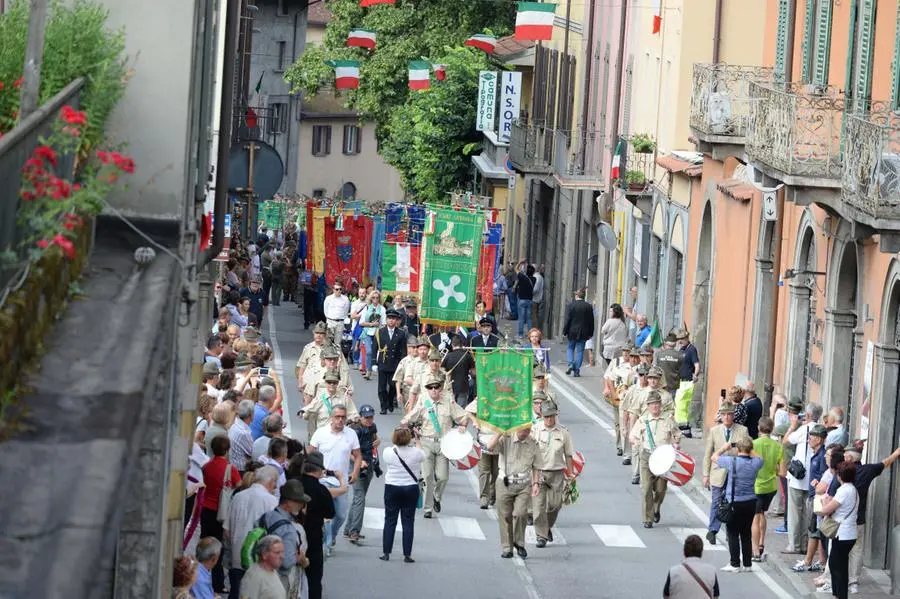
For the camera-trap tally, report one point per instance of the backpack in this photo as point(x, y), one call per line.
point(249, 555)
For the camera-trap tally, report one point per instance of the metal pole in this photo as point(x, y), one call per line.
point(34, 50)
point(251, 208)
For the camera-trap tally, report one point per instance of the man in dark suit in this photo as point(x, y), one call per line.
point(391, 346)
point(485, 339)
point(579, 328)
point(441, 339)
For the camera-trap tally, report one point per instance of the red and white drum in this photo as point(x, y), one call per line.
point(471, 460)
point(456, 445)
point(672, 464)
point(577, 465)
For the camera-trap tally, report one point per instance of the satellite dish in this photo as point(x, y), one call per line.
point(592, 263)
point(268, 168)
point(607, 236)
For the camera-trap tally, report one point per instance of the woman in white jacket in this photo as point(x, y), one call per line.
point(614, 333)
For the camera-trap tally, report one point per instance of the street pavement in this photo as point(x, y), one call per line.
point(600, 550)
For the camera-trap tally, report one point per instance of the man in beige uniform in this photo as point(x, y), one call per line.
point(632, 407)
point(432, 368)
point(435, 416)
point(654, 383)
point(618, 375)
point(518, 481)
point(556, 451)
point(400, 373)
point(318, 411)
point(488, 464)
point(311, 353)
point(541, 382)
point(420, 364)
point(315, 377)
point(652, 430)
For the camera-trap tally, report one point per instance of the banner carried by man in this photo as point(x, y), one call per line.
point(504, 389)
point(400, 268)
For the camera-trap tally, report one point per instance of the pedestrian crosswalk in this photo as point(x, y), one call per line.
point(620, 536)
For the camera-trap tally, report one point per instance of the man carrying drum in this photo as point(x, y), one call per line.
point(556, 451)
point(518, 481)
point(652, 430)
point(435, 416)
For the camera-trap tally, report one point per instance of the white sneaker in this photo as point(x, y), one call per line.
point(853, 589)
point(749, 569)
point(730, 568)
point(824, 588)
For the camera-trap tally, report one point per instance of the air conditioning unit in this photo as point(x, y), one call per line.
point(889, 175)
point(720, 112)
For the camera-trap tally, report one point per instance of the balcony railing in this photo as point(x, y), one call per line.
point(637, 169)
point(720, 98)
point(797, 131)
point(257, 123)
point(531, 147)
point(871, 176)
point(574, 149)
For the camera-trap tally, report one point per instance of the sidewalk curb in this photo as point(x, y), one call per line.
point(694, 489)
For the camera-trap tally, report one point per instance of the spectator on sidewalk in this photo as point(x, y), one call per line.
point(536, 346)
point(631, 313)
point(525, 293)
point(262, 578)
point(222, 418)
point(218, 473)
point(688, 409)
point(740, 492)
point(511, 297)
point(279, 522)
point(614, 333)
point(319, 509)
point(843, 507)
point(692, 578)
point(766, 486)
point(714, 476)
point(754, 408)
point(240, 437)
point(579, 327)
point(247, 508)
point(367, 433)
point(642, 336)
point(184, 575)
point(209, 550)
point(537, 300)
point(837, 431)
point(258, 299)
point(798, 488)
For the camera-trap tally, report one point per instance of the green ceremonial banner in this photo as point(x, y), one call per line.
point(271, 214)
point(450, 255)
point(504, 389)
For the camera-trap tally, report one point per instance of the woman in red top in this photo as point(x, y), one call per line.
point(214, 478)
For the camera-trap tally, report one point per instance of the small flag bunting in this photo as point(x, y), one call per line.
point(367, 3)
point(616, 171)
point(534, 21)
point(419, 75)
point(346, 73)
point(486, 43)
point(657, 15)
point(440, 71)
point(361, 38)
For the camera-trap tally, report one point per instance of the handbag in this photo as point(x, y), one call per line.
point(796, 468)
point(829, 525)
point(725, 509)
point(225, 496)
point(419, 481)
point(699, 580)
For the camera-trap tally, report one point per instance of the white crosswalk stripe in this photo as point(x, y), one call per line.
point(682, 533)
point(461, 528)
point(614, 535)
point(373, 518)
point(531, 537)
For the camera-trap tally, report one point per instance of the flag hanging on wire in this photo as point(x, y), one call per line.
point(346, 73)
point(367, 3)
point(657, 15)
point(254, 98)
point(440, 71)
point(419, 75)
point(486, 43)
point(534, 21)
point(361, 38)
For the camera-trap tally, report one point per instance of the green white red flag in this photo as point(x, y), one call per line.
point(657, 15)
point(616, 171)
point(400, 268)
point(361, 38)
point(440, 71)
point(534, 21)
point(419, 75)
point(367, 3)
point(346, 73)
point(486, 43)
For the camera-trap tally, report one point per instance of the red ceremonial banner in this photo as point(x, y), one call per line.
point(345, 251)
point(486, 274)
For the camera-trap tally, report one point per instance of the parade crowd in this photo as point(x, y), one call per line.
point(264, 511)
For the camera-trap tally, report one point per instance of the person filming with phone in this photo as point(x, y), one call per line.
point(714, 476)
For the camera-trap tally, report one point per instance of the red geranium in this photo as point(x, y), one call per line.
point(45, 153)
point(67, 247)
point(72, 116)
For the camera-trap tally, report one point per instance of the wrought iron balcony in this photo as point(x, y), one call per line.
point(531, 147)
point(572, 149)
point(257, 123)
point(871, 176)
point(638, 166)
point(720, 100)
point(797, 133)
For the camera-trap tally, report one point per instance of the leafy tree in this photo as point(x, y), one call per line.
point(428, 149)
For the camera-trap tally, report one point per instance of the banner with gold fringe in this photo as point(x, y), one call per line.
point(504, 389)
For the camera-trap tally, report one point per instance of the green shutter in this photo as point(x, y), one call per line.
point(863, 88)
point(851, 53)
point(895, 85)
point(784, 27)
point(810, 32)
point(823, 43)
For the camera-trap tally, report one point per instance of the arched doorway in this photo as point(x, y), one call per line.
point(674, 314)
point(702, 289)
point(801, 314)
point(348, 191)
point(841, 352)
point(658, 246)
point(760, 356)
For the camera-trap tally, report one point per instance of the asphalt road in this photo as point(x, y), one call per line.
point(601, 548)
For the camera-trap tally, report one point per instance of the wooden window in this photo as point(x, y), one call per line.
point(318, 193)
point(278, 121)
point(895, 70)
point(282, 9)
point(352, 135)
point(822, 54)
point(785, 23)
point(321, 142)
point(809, 29)
point(862, 87)
point(282, 50)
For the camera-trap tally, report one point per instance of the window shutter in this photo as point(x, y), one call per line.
point(895, 85)
point(552, 88)
point(866, 39)
point(810, 34)
point(823, 43)
point(571, 108)
point(626, 102)
point(327, 139)
point(851, 54)
point(781, 39)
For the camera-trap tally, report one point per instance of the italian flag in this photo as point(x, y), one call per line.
point(440, 71)
point(361, 38)
point(616, 172)
point(419, 75)
point(534, 21)
point(430, 218)
point(365, 3)
point(400, 268)
point(346, 73)
point(657, 15)
point(487, 43)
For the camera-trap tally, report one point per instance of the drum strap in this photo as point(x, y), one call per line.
point(432, 415)
point(650, 436)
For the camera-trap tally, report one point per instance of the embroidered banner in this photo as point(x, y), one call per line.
point(400, 268)
point(504, 389)
point(345, 259)
point(487, 265)
point(450, 253)
point(404, 222)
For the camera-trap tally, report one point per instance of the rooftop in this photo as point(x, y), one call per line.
point(510, 46)
point(319, 13)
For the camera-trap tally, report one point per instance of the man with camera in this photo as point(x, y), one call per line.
point(367, 433)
